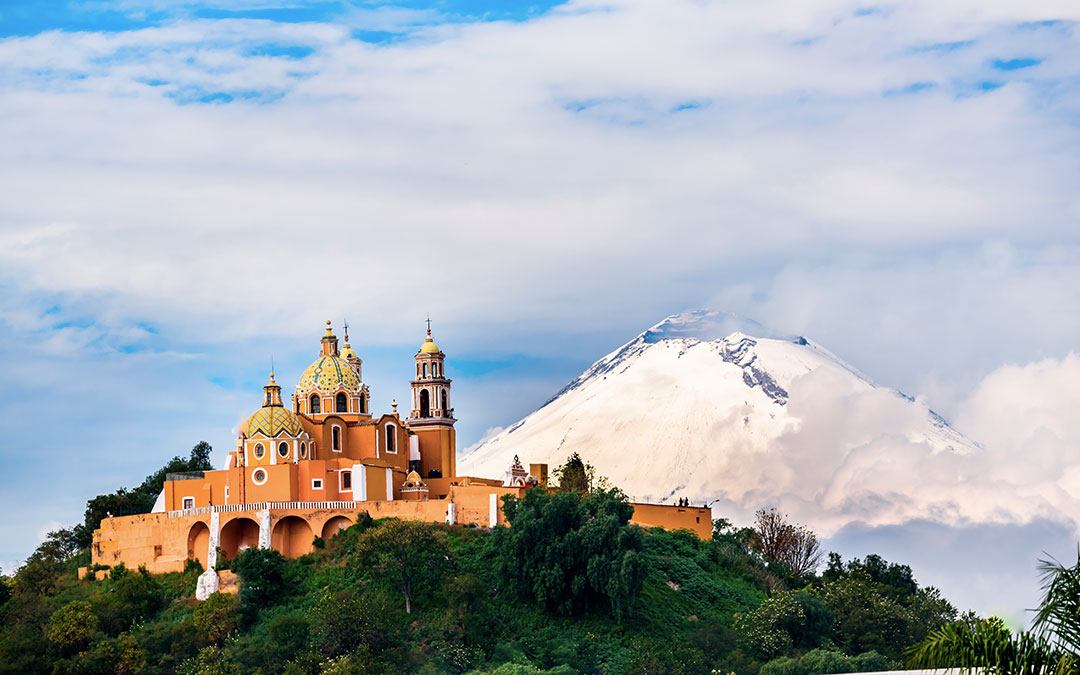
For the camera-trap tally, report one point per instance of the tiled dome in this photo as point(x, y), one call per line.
point(271, 421)
point(327, 374)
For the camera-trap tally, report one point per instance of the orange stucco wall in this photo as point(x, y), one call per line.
point(697, 519)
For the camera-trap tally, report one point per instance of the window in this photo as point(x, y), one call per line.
point(425, 370)
point(189, 502)
point(390, 437)
point(226, 494)
point(335, 436)
point(342, 403)
point(283, 449)
point(425, 404)
point(363, 404)
point(315, 405)
point(303, 451)
point(258, 476)
point(445, 410)
point(259, 451)
point(316, 483)
point(346, 480)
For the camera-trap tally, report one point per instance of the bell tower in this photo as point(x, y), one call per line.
point(432, 417)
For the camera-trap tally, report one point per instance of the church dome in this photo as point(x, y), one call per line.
point(347, 352)
point(271, 421)
point(329, 373)
point(429, 347)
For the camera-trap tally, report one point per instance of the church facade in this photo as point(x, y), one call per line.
point(307, 467)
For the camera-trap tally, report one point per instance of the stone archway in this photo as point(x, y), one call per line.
point(198, 543)
point(292, 537)
point(238, 534)
point(334, 525)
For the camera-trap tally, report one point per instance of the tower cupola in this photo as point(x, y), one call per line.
point(431, 388)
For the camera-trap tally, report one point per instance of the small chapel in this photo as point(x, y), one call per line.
point(308, 467)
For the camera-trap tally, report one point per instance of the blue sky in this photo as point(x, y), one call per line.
point(190, 189)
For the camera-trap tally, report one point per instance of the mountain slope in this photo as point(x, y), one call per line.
point(688, 409)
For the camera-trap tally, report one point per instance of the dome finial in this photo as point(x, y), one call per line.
point(346, 323)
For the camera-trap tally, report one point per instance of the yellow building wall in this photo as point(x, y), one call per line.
point(697, 519)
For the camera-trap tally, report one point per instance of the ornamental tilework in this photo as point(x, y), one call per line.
point(271, 421)
point(327, 374)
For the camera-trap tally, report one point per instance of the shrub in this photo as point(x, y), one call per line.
point(73, 626)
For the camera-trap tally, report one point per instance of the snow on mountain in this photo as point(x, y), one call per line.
point(715, 408)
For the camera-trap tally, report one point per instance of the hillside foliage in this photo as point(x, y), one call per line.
point(569, 587)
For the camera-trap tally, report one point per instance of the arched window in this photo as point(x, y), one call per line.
point(445, 410)
point(315, 404)
point(259, 451)
point(258, 476)
point(425, 404)
point(425, 370)
point(342, 403)
point(363, 403)
point(303, 451)
point(390, 436)
point(283, 449)
point(335, 443)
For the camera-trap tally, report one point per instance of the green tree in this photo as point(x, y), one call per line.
point(73, 626)
point(217, 617)
point(577, 475)
point(262, 579)
point(411, 555)
point(1051, 646)
point(344, 621)
point(571, 551)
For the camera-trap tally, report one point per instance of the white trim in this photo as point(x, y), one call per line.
point(341, 481)
point(360, 494)
point(266, 476)
point(390, 431)
point(493, 508)
point(184, 502)
point(256, 456)
point(340, 439)
point(451, 513)
point(278, 450)
point(316, 480)
point(389, 484)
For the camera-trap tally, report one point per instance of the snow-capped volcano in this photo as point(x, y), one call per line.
point(712, 407)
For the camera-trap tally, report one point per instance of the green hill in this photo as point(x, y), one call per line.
point(569, 587)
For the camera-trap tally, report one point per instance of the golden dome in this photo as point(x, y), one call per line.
point(327, 374)
point(348, 353)
point(271, 420)
point(429, 347)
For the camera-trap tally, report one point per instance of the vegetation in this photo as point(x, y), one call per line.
point(570, 587)
point(1051, 647)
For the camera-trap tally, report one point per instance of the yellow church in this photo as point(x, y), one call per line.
point(308, 469)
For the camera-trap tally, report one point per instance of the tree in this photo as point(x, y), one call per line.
point(73, 626)
point(262, 577)
point(216, 617)
point(412, 555)
point(570, 551)
point(1050, 647)
point(779, 541)
point(577, 475)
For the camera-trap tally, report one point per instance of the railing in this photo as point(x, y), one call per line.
point(185, 475)
point(261, 506)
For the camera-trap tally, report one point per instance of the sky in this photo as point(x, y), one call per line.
point(188, 190)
